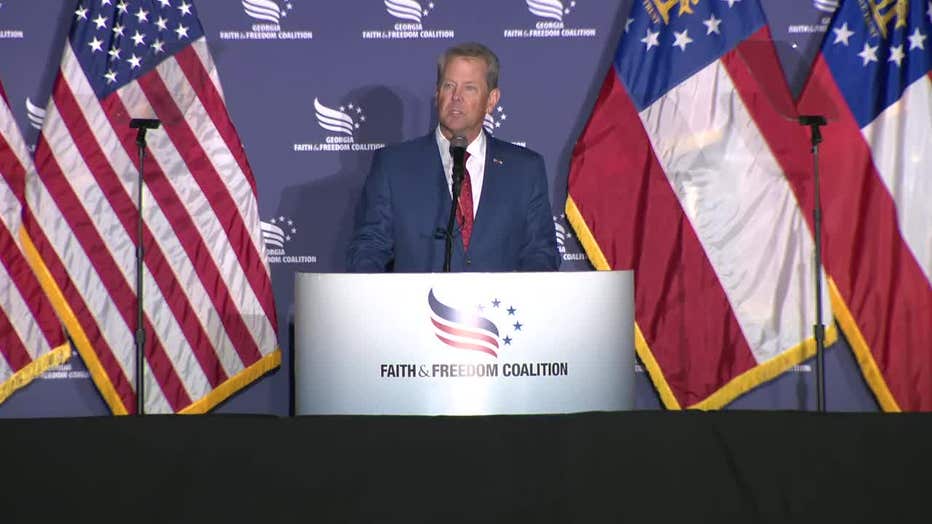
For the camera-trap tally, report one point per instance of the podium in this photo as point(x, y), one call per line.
point(463, 343)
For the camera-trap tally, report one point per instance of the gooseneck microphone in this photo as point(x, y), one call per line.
point(458, 152)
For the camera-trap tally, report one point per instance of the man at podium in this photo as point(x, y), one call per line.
point(503, 218)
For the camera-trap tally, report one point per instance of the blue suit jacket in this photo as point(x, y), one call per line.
point(405, 206)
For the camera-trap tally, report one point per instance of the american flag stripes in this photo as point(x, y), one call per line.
point(31, 337)
point(209, 310)
point(677, 176)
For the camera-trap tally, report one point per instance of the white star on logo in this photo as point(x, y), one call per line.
point(712, 24)
point(157, 46)
point(134, 61)
point(114, 53)
point(651, 39)
point(185, 8)
point(162, 23)
point(121, 7)
point(731, 3)
point(110, 76)
point(896, 54)
point(81, 13)
point(182, 31)
point(868, 54)
point(165, 3)
point(139, 38)
point(100, 22)
point(682, 39)
point(842, 34)
point(142, 15)
point(118, 30)
point(95, 45)
point(916, 40)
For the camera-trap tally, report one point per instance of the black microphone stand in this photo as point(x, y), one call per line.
point(458, 152)
point(141, 126)
point(458, 174)
point(815, 122)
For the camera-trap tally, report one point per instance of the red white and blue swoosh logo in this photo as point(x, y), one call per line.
point(463, 329)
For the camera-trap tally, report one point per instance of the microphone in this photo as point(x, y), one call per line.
point(458, 152)
point(144, 123)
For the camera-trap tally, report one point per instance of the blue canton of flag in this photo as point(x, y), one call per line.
point(667, 41)
point(875, 50)
point(117, 41)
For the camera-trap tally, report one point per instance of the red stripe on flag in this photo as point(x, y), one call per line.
point(99, 345)
point(464, 345)
point(11, 346)
point(190, 63)
point(636, 219)
point(214, 189)
point(24, 279)
point(94, 246)
point(465, 333)
point(874, 270)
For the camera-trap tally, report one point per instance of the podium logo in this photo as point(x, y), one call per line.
point(410, 16)
point(569, 251)
point(277, 233)
point(10, 33)
point(268, 17)
point(343, 123)
point(486, 327)
point(552, 15)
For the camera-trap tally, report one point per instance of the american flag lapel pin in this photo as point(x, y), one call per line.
point(497, 161)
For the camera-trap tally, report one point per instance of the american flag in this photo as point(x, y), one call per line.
point(874, 77)
point(209, 310)
point(683, 174)
point(31, 337)
point(462, 329)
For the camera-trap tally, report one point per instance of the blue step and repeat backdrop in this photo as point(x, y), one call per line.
point(284, 62)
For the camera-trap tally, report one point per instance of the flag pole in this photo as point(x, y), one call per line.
point(815, 135)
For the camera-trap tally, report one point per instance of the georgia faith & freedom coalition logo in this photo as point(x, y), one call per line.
point(495, 120)
point(490, 328)
point(565, 232)
point(409, 16)
point(9, 33)
point(552, 21)
point(343, 123)
point(268, 17)
point(277, 233)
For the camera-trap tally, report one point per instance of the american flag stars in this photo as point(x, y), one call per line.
point(125, 39)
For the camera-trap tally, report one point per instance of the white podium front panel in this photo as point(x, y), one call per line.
point(464, 343)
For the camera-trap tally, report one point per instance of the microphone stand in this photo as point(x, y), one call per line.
point(141, 126)
point(815, 122)
point(458, 174)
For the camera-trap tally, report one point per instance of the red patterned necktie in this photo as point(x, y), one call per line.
point(464, 207)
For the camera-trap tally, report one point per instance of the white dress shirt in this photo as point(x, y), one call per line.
point(475, 164)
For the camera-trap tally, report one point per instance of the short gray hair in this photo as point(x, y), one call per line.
point(471, 50)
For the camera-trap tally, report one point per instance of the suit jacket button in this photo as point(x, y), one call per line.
point(468, 261)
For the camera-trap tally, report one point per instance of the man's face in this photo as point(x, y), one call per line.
point(463, 97)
